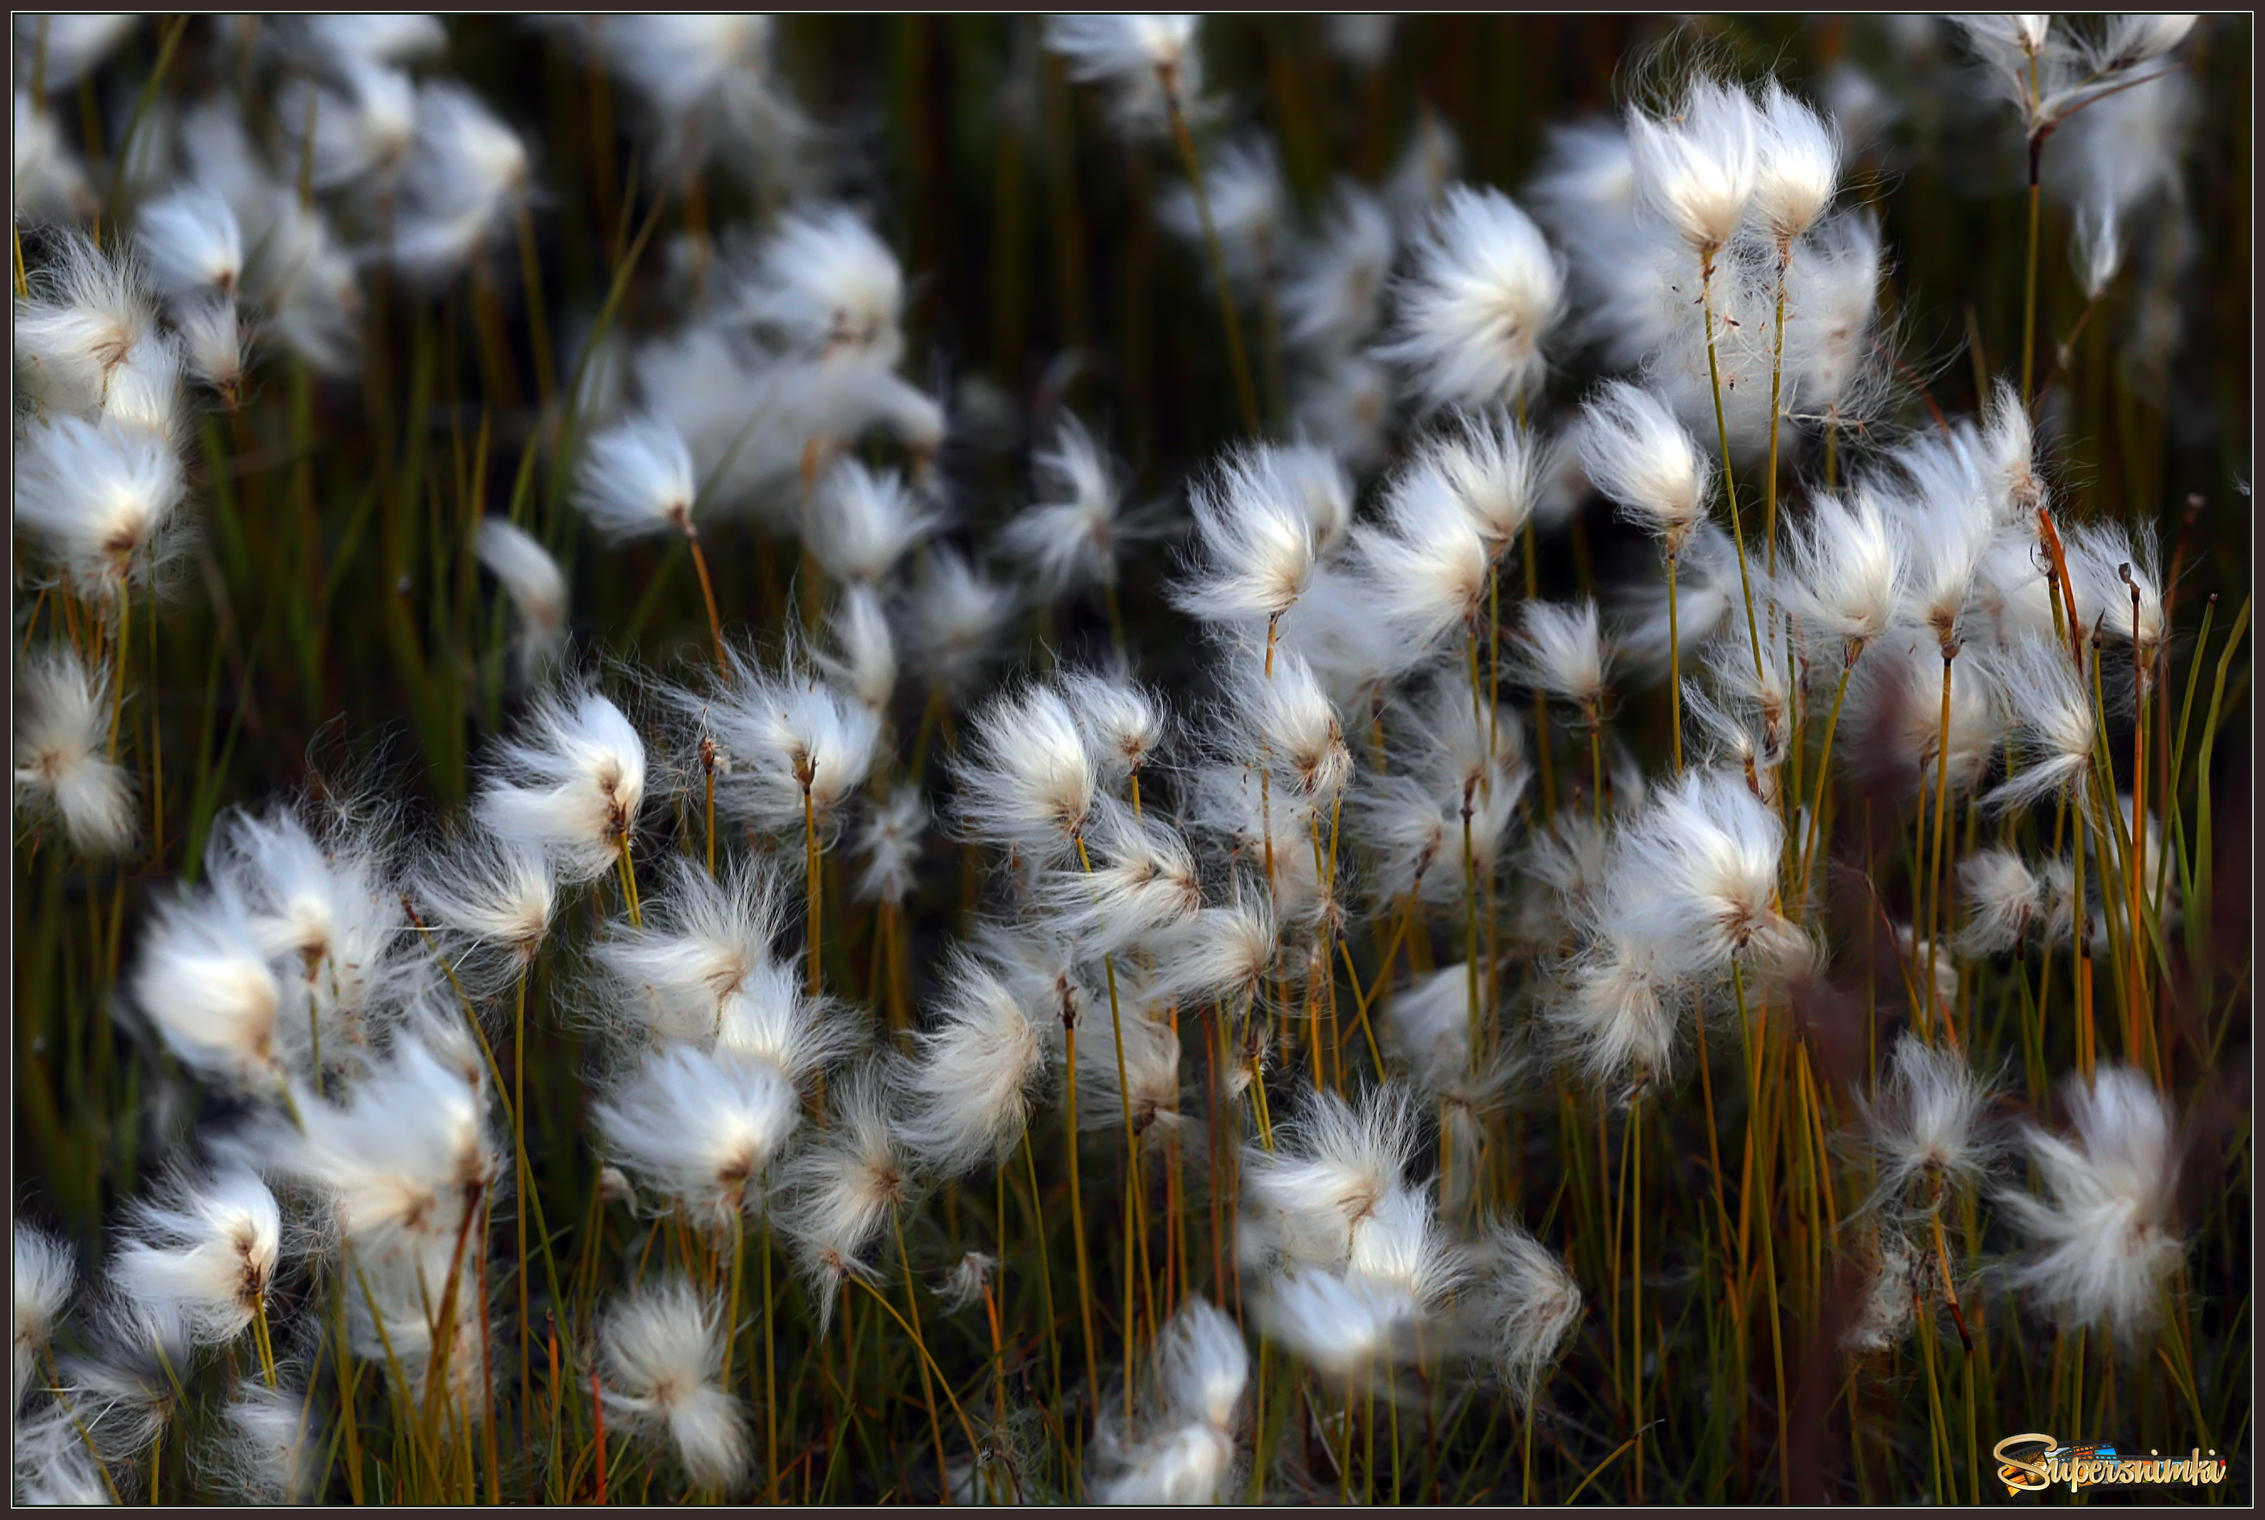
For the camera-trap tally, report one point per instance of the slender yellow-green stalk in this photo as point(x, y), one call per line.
point(1729, 475)
point(1674, 666)
point(1238, 359)
point(1935, 871)
point(262, 1341)
point(708, 595)
point(1636, 1289)
point(1769, 1252)
point(628, 870)
point(1824, 767)
point(118, 667)
point(538, 322)
point(811, 886)
point(927, 1385)
point(1777, 379)
point(1077, 1215)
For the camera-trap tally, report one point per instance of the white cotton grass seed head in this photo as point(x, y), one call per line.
point(203, 980)
point(51, 182)
point(2104, 1238)
point(531, 579)
point(1149, 63)
point(2101, 555)
point(888, 844)
point(1074, 534)
point(1288, 718)
point(1843, 572)
point(843, 1190)
point(1492, 465)
point(46, 1274)
point(365, 123)
point(708, 84)
point(205, 1249)
point(1403, 1244)
point(636, 478)
point(572, 783)
point(98, 503)
point(2005, 902)
point(1560, 649)
point(1423, 563)
point(467, 175)
point(190, 243)
point(1124, 723)
point(1697, 168)
point(860, 521)
point(2048, 706)
point(1346, 1326)
point(700, 1128)
point(1144, 1090)
point(1313, 477)
point(1895, 701)
point(1797, 166)
point(2096, 247)
point(1223, 951)
point(825, 286)
point(1139, 879)
point(1203, 1365)
point(83, 312)
point(968, 1281)
point(956, 620)
point(702, 939)
point(118, 1396)
point(1026, 778)
point(1524, 1308)
point(978, 1063)
point(52, 1464)
point(1255, 544)
point(63, 766)
point(1345, 403)
point(145, 393)
point(396, 37)
point(1694, 876)
point(267, 1446)
point(1927, 1126)
point(1484, 292)
point(863, 659)
point(771, 1017)
point(1612, 1022)
point(784, 740)
point(2134, 39)
point(1644, 461)
point(661, 1354)
point(1188, 1464)
point(1333, 1164)
point(495, 896)
point(210, 339)
point(1184, 1443)
point(403, 1160)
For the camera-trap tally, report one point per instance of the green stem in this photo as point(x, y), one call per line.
point(1674, 665)
point(1777, 378)
point(1237, 359)
point(1729, 476)
point(927, 1384)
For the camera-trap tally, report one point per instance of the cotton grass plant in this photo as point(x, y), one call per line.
point(1241, 872)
